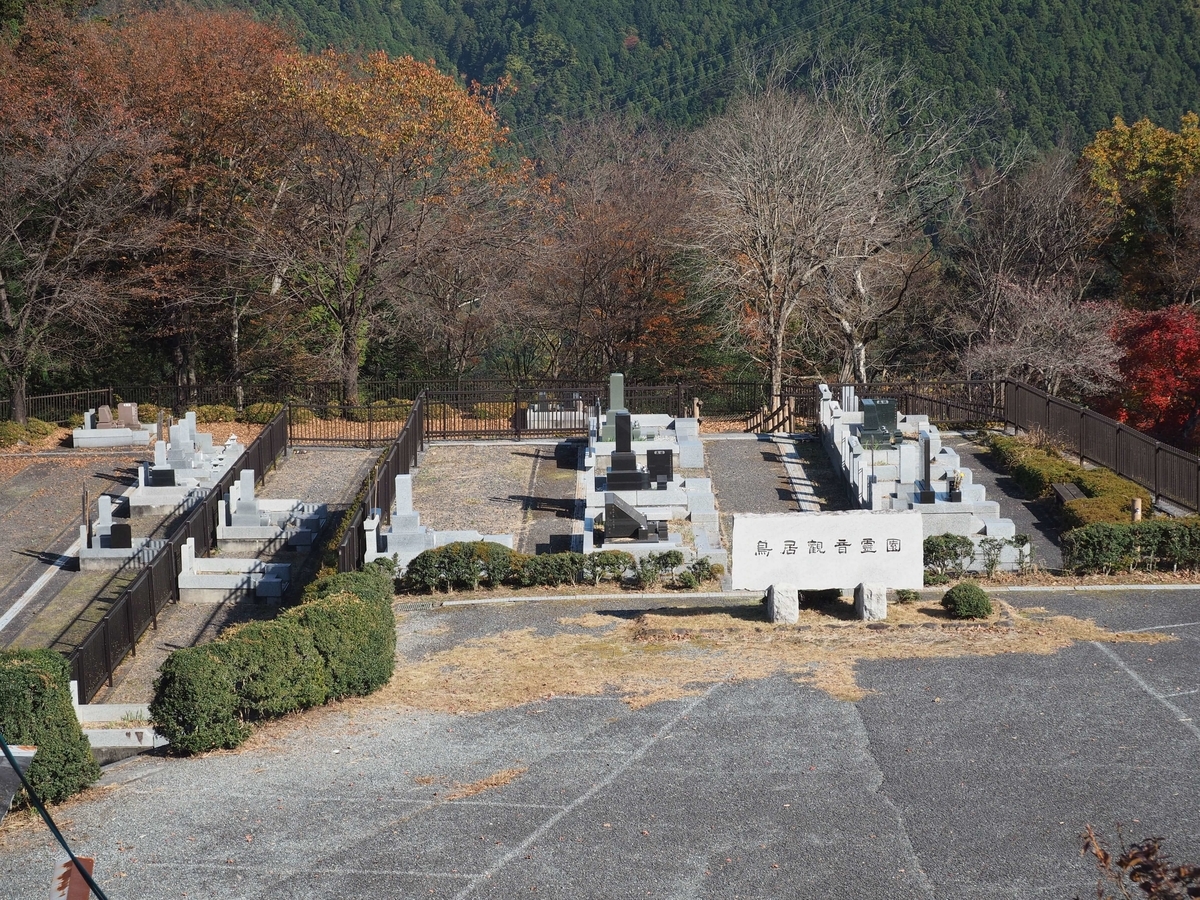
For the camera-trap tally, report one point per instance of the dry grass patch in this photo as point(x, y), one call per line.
point(673, 653)
point(499, 779)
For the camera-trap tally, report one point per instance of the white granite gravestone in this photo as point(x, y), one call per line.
point(819, 551)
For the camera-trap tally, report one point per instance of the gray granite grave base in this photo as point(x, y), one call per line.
point(642, 549)
point(99, 559)
point(94, 438)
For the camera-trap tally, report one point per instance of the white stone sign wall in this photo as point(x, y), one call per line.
point(818, 551)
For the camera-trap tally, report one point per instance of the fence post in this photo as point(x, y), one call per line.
point(1082, 419)
point(129, 621)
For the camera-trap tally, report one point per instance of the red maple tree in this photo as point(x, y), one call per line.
point(1161, 370)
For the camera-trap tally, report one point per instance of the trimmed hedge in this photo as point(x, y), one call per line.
point(339, 642)
point(1152, 544)
point(261, 413)
point(195, 705)
point(356, 638)
point(1109, 496)
point(35, 708)
point(275, 667)
point(967, 600)
point(217, 412)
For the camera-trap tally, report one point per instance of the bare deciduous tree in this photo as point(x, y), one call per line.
point(811, 207)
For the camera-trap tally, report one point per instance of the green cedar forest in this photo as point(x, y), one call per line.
point(295, 190)
point(1041, 69)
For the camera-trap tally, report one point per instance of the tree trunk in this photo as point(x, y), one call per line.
point(19, 386)
point(776, 369)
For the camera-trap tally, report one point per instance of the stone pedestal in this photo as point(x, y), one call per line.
point(870, 602)
point(783, 604)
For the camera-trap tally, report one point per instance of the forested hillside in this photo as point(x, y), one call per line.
point(1043, 68)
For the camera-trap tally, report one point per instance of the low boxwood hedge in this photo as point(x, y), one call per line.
point(339, 642)
point(35, 708)
point(1108, 495)
point(217, 412)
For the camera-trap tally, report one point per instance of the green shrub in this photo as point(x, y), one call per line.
point(261, 413)
point(300, 415)
point(11, 433)
point(217, 412)
point(391, 410)
point(607, 565)
point(687, 580)
point(948, 554)
point(275, 667)
point(38, 428)
point(356, 638)
point(653, 566)
point(373, 584)
point(148, 413)
point(1108, 495)
point(497, 409)
point(967, 601)
point(907, 595)
point(75, 420)
point(552, 569)
point(1107, 547)
point(195, 704)
point(35, 708)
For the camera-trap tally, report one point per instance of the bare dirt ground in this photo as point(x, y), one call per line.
point(525, 489)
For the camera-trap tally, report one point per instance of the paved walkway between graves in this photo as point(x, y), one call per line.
point(1032, 517)
point(40, 497)
point(331, 476)
point(748, 476)
point(969, 777)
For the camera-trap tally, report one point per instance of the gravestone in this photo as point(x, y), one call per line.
point(621, 520)
point(104, 418)
point(879, 422)
point(120, 537)
point(925, 494)
point(164, 477)
point(623, 473)
point(659, 466)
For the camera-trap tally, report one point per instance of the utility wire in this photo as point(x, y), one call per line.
point(50, 822)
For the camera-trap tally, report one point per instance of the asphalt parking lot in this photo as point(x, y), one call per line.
point(970, 777)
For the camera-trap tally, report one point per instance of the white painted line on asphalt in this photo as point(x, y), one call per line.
point(1184, 720)
point(1183, 693)
point(36, 587)
point(1162, 627)
point(641, 751)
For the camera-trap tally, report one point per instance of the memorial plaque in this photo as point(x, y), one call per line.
point(819, 551)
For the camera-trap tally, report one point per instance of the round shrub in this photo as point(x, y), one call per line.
point(195, 704)
point(261, 413)
point(355, 637)
point(38, 428)
point(11, 433)
point(275, 667)
point(967, 601)
point(148, 413)
point(551, 569)
point(35, 708)
point(217, 412)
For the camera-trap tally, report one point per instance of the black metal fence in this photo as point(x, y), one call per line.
point(379, 488)
point(115, 636)
point(1164, 470)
